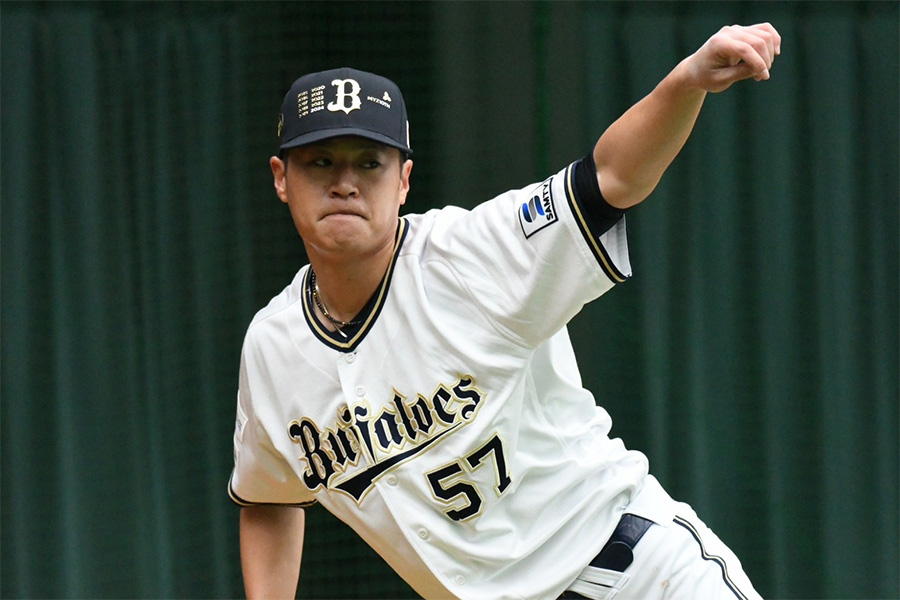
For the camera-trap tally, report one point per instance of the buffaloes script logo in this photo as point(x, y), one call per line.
point(343, 94)
point(397, 432)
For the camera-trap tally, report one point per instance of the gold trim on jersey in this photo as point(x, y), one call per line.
point(241, 502)
point(593, 242)
point(331, 338)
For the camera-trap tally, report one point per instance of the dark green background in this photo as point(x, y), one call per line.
point(753, 357)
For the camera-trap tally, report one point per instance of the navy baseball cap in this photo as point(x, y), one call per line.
point(342, 102)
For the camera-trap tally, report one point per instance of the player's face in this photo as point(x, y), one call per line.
point(344, 195)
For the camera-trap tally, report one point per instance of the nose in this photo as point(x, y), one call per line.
point(344, 184)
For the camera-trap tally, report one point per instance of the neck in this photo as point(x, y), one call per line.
point(344, 288)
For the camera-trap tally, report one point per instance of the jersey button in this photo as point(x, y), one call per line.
point(423, 533)
point(350, 357)
point(460, 579)
point(391, 480)
point(360, 391)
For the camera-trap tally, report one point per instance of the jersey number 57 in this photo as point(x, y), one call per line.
point(448, 488)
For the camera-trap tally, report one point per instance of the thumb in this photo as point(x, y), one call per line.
point(724, 76)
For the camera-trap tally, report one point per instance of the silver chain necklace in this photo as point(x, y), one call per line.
point(314, 286)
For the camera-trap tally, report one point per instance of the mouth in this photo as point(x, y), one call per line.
point(343, 214)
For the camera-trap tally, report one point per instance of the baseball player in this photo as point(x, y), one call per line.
point(416, 378)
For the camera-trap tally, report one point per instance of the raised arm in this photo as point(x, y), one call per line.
point(271, 548)
point(634, 152)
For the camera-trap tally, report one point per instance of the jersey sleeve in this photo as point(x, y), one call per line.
point(530, 259)
point(261, 475)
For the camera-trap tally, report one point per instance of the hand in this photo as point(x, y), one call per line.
point(733, 54)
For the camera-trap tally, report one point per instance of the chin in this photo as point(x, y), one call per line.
point(344, 240)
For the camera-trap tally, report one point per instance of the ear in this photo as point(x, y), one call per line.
point(279, 174)
point(405, 170)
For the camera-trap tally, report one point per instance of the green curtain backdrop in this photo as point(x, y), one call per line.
point(753, 357)
point(126, 270)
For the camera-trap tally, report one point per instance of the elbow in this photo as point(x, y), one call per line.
point(622, 192)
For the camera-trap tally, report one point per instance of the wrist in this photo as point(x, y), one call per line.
point(684, 79)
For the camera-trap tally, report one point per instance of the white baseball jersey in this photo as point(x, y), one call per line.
point(450, 428)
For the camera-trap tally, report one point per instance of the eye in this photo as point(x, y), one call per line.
point(371, 164)
point(321, 161)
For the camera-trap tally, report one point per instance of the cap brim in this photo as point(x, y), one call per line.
point(318, 136)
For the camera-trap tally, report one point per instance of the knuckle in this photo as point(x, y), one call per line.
point(759, 45)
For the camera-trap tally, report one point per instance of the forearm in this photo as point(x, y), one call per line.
point(632, 155)
point(634, 152)
point(271, 550)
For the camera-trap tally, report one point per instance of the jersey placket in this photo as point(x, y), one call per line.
point(361, 409)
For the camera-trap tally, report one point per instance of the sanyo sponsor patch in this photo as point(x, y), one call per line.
point(538, 211)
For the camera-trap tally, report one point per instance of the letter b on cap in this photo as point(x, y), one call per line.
point(340, 103)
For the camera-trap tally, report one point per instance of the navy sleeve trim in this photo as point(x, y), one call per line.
point(241, 502)
point(599, 214)
point(593, 214)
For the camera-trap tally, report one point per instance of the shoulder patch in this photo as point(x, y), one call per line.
point(539, 210)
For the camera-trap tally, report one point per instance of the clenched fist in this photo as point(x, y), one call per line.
point(733, 54)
